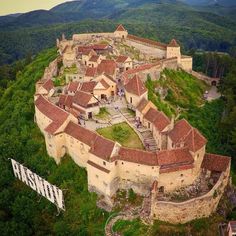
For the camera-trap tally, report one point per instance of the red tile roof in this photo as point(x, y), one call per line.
point(104, 84)
point(53, 112)
point(98, 167)
point(143, 103)
point(138, 156)
point(82, 98)
point(120, 28)
point(65, 100)
point(73, 86)
point(173, 43)
point(94, 58)
point(88, 86)
point(135, 86)
point(184, 133)
point(121, 59)
point(139, 69)
point(78, 132)
point(89, 51)
point(74, 112)
point(99, 46)
point(214, 162)
point(157, 118)
point(107, 66)
point(151, 115)
point(48, 85)
point(91, 72)
point(194, 140)
point(147, 41)
point(102, 147)
point(174, 157)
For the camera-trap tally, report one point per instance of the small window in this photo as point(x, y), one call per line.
point(50, 145)
point(115, 163)
point(181, 175)
point(104, 163)
point(122, 163)
point(97, 176)
point(153, 167)
point(182, 181)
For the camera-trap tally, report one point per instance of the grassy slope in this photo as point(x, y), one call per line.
point(22, 212)
point(183, 91)
point(123, 134)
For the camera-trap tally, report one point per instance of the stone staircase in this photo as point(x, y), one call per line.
point(147, 137)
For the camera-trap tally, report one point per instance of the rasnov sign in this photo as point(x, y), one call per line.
point(49, 191)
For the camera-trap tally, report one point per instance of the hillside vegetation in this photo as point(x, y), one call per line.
point(26, 213)
point(180, 91)
point(196, 27)
point(22, 211)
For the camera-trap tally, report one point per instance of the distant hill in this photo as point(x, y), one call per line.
point(226, 3)
point(200, 27)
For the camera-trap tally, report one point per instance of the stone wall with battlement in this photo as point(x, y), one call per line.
point(81, 37)
point(182, 212)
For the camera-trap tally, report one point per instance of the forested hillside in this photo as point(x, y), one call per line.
point(23, 212)
point(194, 27)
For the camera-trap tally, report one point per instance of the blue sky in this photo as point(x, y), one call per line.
point(21, 6)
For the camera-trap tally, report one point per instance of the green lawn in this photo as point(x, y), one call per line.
point(103, 114)
point(123, 134)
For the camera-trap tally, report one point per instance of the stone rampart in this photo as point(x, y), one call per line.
point(182, 212)
point(81, 37)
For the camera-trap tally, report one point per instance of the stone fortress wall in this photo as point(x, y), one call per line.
point(111, 167)
point(199, 207)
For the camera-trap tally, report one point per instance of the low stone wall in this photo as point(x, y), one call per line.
point(206, 78)
point(199, 207)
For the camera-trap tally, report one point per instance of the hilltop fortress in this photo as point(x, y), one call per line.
point(100, 71)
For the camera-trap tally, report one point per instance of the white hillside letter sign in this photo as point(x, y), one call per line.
point(41, 186)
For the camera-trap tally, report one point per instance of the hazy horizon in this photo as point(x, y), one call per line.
point(22, 6)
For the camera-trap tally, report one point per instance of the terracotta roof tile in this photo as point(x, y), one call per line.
point(91, 71)
point(107, 66)
point(94, 58)
point(88, 86)
point(139, 69)
point(157, 118)
point(138, 156)
point(82, 98)
point(161, 121)
point(214, 162)
point(104, 84)
point(181, 129)
point(48, 85)
point(135, 86)
point(65, 100)
point(143, 103)
point(53, 112)
point(102, 147)
point(80, 133)
point(73, 86)
point(120, 28)
point(173, 43)
point(184, 133)
point(174, 157)
point(151, 115)
point(121, 59)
